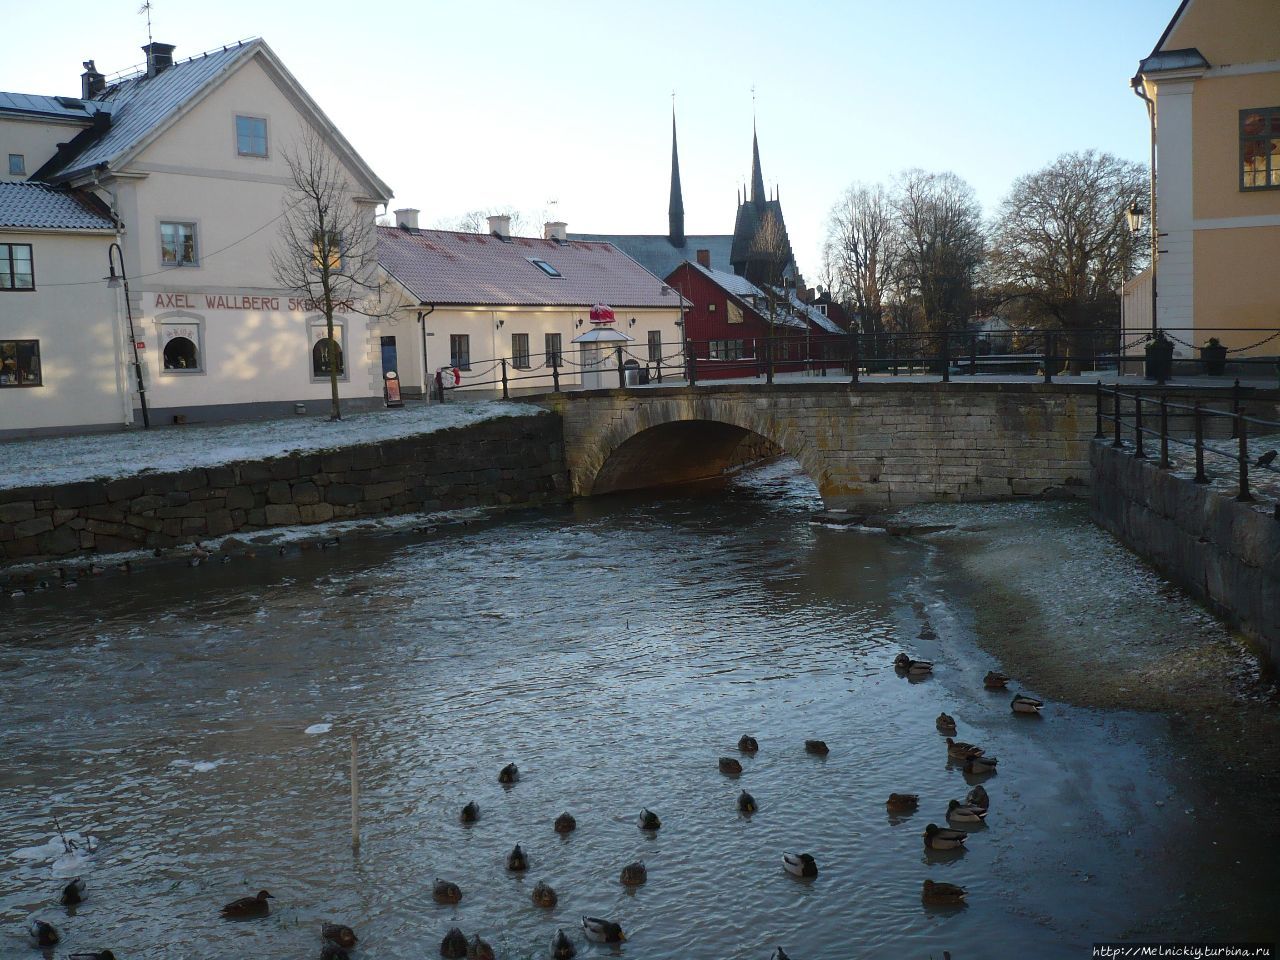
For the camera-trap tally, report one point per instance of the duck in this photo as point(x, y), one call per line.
point(958, 812)
point(747, 803)
point(516, 860)
point(942, 893)
point(454, 945)
point(978, 764)
point(730, 767)
point(978, 798)
point(941, 838)
point(565, 823)
point(634, 874)
point(818, 748)
point(913, 667)
point(648, 820)
point(470, 813)
point(946, 724)
point(73, 892)
point(340, 934)
point(445, 891)
point(748, 744)
point(779, 954)
point(800, 865)
point(902, 802)
point(995, 681)
point(1021, 703)
point(331, 951)
point(544, 895)
point(602, 931)
point(246, 907)
point(96, 955)
point(509, 774)
point(43, 933)
point(479, 949)
point(562, 947)
point(961, 750)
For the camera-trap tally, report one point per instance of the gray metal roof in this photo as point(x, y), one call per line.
point(1187, 59)
point(34, 104)
point(37, 206)
point(655, 253)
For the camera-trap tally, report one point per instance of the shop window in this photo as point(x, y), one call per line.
point(251, 136)
point(1260, 149)
point(554, 350)
point(460, 351)
point(655, 346)
point(180, 346)
point(178, 244)
point(20, 363)
point(327, 355)
point(17, 268)
point(520, 351)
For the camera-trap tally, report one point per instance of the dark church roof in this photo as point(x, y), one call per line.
point(761, 248)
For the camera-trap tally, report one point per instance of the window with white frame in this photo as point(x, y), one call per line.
point(17, 267)
point(554, 350)
point(251, 136)
point(180, 346)
point(520, 351)
point(178, 244)
point(328, 356)
point(655, 346)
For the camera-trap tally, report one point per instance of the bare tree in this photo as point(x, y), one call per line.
point(940, 224)
point(477, 221)
point(1061, 243)
point(327, 251)
point(861, 251)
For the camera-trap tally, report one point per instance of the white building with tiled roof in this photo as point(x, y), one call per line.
point(189, 158)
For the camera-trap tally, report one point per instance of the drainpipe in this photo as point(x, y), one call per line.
point(1140, 90)
point(426, 372)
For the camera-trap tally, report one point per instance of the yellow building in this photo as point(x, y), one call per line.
point(1214, 81)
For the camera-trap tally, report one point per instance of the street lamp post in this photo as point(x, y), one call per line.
point(114, 283)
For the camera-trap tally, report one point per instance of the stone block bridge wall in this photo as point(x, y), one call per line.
point(870, 446)
point(513, 460)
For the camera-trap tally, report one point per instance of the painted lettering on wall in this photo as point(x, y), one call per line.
point(222, 301)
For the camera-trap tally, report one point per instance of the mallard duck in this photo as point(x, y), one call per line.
point(799, 864)
point(779, 954)
point(509, 774)
point(978, 798)
point(98, 955)
point(941, 893)
point(958, 812)
point(746, 803)
point(343, 935)
point(1024, 704)
point(516, 860)
point(471, 812)
point(914, 667)
point(331, 951)
point(562, 947)
point(946, 724)
point(44, 934)
point(479, 949)
point(454, 945)
point(902, 802)
point(818, 748)
point(544, 895)
point(73, 892)
point(634, 874)
point(975, 764)
point(602, 931)
point(649, 820)
point(940, 838)
point(730, 767)
point(445, 891)
point(748, 744)
point(565, 823)
point(960, 750)
point(995, 681)
point(245, 907)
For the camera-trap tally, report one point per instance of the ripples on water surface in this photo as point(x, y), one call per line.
point(612, 652)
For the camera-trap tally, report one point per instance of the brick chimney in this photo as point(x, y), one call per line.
point(407, 217)
point(500, 225)
point(704, 258)
point(555, 230)
point(159, 57)
point(92, 82)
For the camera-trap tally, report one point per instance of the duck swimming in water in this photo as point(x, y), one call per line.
point(516, 860)
point(445, 891)
point(341, 934)
point(730, 767)
point(779, 954)
point(746, 803)
point(915, 668)
point(976, 764)
point(565, 823)
point(454, 945)
point(648, 820)
point(748, 744)
point(902, 802)
point(602, 931)
point(44, 934)
point(800, 865)
point(995, 681)
point(1024, 704)
point(544, 895)
point(479, 949)
point(946, 724)
point(73, 892)
point(247, 907)
point(634, 874)
point(509, 774)
point(562, 947)
point(818, 748)
point(331, 951)
point(958, 812)
point(470, 813)
point(942, 893)
point(978, 798)
point(960, 750)
point(940, 838)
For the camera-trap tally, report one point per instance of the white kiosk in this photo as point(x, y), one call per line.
point(598, 350)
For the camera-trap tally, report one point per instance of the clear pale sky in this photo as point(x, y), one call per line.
point(566, 106)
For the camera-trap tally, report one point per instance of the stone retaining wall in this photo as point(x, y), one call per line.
point(513, 460)
point(1225, 553)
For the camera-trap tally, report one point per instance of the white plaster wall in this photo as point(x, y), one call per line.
point(1175, 280)
point(36, 140)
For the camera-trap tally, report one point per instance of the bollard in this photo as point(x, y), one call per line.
point(855, 358)
point(1164, 432)
point(1048, 358)
point(946, 357)
point(768, 360)
point(1117, 443)
point(1138, 453)
point(1097, 433)
point(506, 395)
point(1201, 476)
point(622, 375)
point(1242, 430)
point(555, 374)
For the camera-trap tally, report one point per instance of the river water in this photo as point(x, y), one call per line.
point(614, 651)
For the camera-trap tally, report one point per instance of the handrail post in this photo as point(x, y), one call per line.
point(506, 395)
point(855, 355)
point(1048, 357)
point(768, 360)
point(691, 362)
point(555, 372)
point(946, 357)
point(973, 355)
point(1235, 408)
point(1097, 432)
point(1117, 443)
point(1164, 432)
point(1242, 430)
point(1201, 476)
point(622, 376)
point(1138, 452)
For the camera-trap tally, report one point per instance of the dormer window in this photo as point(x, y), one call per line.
point(545, 267)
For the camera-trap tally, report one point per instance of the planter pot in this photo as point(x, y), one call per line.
point(1214, 360)
point(1159, 365)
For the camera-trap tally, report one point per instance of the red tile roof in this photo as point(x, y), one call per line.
point(442, 267)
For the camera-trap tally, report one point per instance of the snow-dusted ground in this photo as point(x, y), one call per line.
point(55, 460)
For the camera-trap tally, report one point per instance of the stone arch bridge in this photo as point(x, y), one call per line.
point(866, 446)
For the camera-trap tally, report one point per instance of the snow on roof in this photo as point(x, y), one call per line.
point(38, 206)
point(815, 315)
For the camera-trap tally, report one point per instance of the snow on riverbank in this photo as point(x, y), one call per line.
point(54, 460)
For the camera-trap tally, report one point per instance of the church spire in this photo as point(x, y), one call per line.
point(757, 178)
point(675, 212)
